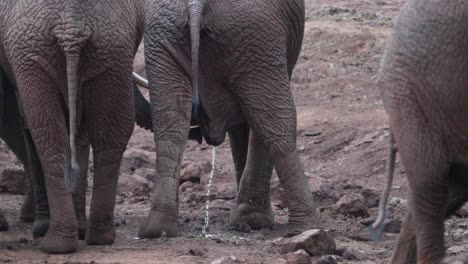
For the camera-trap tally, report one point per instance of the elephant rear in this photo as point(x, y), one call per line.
point(424, 88)
point(72, 62)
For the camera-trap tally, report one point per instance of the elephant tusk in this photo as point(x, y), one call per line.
point(194, 127)
point(140, 80)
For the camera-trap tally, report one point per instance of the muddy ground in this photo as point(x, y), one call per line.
point(343, 140)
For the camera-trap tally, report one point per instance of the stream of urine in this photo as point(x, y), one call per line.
point(208, 190)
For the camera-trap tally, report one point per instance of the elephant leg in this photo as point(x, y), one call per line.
point(12, 132)
point(405, 250)
point(28, 207)
point(50, 136)
point(42, 215)
point(269, 107)
point(239, 139)
point(252, 205)
point(79, 197)
point(110, 117)
point(427, 163)
point(171, 113)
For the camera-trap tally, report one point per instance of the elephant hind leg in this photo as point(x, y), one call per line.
point(239, 141)
point(428, 163)
point(267, 103)
point(79, 197)
point(46, 120)
point(109, 121)
point(405, 251)
point(252, 206)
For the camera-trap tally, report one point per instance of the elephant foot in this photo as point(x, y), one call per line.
point(52, 243)
point(100, 237)
point(82, 226)
point(40, 227)
point(3, 223)
point(156, 224)
point(245, 214)
point(28, 209)
point(302, 221)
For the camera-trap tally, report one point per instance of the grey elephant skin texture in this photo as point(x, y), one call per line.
point(71, 62)
point(424, 86)
point(13, 132)
point(227, 65)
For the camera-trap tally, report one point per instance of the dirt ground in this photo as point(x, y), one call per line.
point(343, 140)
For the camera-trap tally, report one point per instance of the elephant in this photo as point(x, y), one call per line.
point(71, 62)
point(18, 139)
point(226, 65)
point(423, 84)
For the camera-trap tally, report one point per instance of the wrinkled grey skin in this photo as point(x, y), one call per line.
point(12, 130)
point(18, 139)
point(424, 86)
point(247, 52)
point(53, 51)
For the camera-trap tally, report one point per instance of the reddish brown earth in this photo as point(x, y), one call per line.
point(342, 137)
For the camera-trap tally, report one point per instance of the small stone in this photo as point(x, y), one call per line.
point(350, 255)
point(462, 259)
point(192, 173)
point(351, 205)
point(186, 186)
point(330, 259)
point(372, 197)
point(396, 202)
point(457, 250)
point(131, 183)
point(225, 260)
point(138, 158)
point(315, 242)
point(297, 257)
point(196, 252)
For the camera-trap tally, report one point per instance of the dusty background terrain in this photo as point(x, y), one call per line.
point(342, 136)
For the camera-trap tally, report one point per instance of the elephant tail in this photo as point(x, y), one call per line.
point(195, 8)
point(377, 227)
point(72, 172)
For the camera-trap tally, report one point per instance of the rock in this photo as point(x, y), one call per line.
point(391, 225)
point(192, 173)
point(139, 158)
point(225, 260)
point(351, 205)
point(197, 252)
point(147, 173)
point(372, 197)
point(330, 259)
point(134, 184)
point(462, 259)
point(397, 202)
point(13, 181)
point(457, 250)
point(346, 254)
point(315, 242)
point(297, 257)
point(186, 185)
